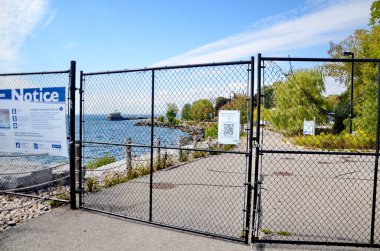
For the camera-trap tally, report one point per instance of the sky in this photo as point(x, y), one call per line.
point(44, 35)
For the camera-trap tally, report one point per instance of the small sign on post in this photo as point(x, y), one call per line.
point(229, 127)
point(309, 127)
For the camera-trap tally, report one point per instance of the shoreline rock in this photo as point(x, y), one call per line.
point(191, 130)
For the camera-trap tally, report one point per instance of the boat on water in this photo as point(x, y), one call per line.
point(116, 115)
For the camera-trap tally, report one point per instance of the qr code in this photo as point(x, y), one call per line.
point(228, 130)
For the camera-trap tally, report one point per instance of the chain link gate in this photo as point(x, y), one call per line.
point(156, 158)
point(317, 152)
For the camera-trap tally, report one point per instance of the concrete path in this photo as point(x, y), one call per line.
point(65, 229)
point(80, 230)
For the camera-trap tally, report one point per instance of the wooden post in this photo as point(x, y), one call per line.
point(128, 154)
point(209, 142)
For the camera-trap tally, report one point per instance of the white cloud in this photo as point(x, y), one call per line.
point(18, 18)
point(331, 20)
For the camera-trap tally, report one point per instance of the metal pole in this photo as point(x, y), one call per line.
point(81, 178)
point(373, 218)
point(151, 152)
point(352, 92)
point(257, 153)
point(72, 136)
point(250, 145)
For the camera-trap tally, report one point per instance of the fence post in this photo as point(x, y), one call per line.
point(250, 146)
point(72, 136)
point(81, 173)
point(151, 152)
point(128, 155)
point(373, 218)
point(158, 157)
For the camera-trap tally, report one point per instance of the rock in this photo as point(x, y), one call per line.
point(12, 223)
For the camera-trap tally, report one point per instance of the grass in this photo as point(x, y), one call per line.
point(266, 231)
point(283, 233)
point(198, 154)
point(102, 161)
point(62, 196)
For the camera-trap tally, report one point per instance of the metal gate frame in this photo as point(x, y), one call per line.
point(259, 151)
point(248, 153)
point(70, 103)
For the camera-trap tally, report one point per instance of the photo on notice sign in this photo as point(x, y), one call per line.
point(4, 119)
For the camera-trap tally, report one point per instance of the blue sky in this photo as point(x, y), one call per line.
point(101, 35)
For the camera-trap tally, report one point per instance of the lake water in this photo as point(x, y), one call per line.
point(97, 128)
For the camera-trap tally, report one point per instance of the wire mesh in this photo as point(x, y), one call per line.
point(317, 152)
point(179, 176)
point(39, 175)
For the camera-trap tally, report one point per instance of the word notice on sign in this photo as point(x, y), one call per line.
point(33, 120)
point(229, 127)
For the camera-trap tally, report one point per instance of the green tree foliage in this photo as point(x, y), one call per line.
point(375, 13)
point(202, 110)
point(186, 112)
point(342, 112)
point(364, 44)
point(220, 101)
point(171, 113)
point(239, 102)
point(297, 98)
point(267, 92)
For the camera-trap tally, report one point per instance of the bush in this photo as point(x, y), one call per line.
point(92, 185)
point(358, 140)
point(112, 179)
point(228, 147)
point(102, 161)
point(171, 113)
point(199, 154)
point(212, 131)
point(202, 110)
point(62, 196)
point(183, 156)
point(161, 119)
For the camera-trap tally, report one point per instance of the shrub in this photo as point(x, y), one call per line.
point(112, 179)
point(102, 161)
point(161, 119)
point(171, 113)
point(62, 196)
point(199, 154)
point(228, 147)
point(92, 184)
point(212, 131)
point(183, 156)
point(358, 140)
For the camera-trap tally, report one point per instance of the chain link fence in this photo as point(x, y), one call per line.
point(318, 152)
point(37, 176)
point(150, 149)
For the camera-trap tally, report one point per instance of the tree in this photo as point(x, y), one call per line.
point(375, 13)
point(171, 113)
point(202, 110)
point(297, 98)
point(220, 101)
point(186, 112)
point(267, 92)
point(365, 44)
point(239, 102)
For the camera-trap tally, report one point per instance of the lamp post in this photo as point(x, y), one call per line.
point(346, 53)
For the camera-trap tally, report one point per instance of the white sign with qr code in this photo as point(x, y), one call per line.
point(229, 127)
